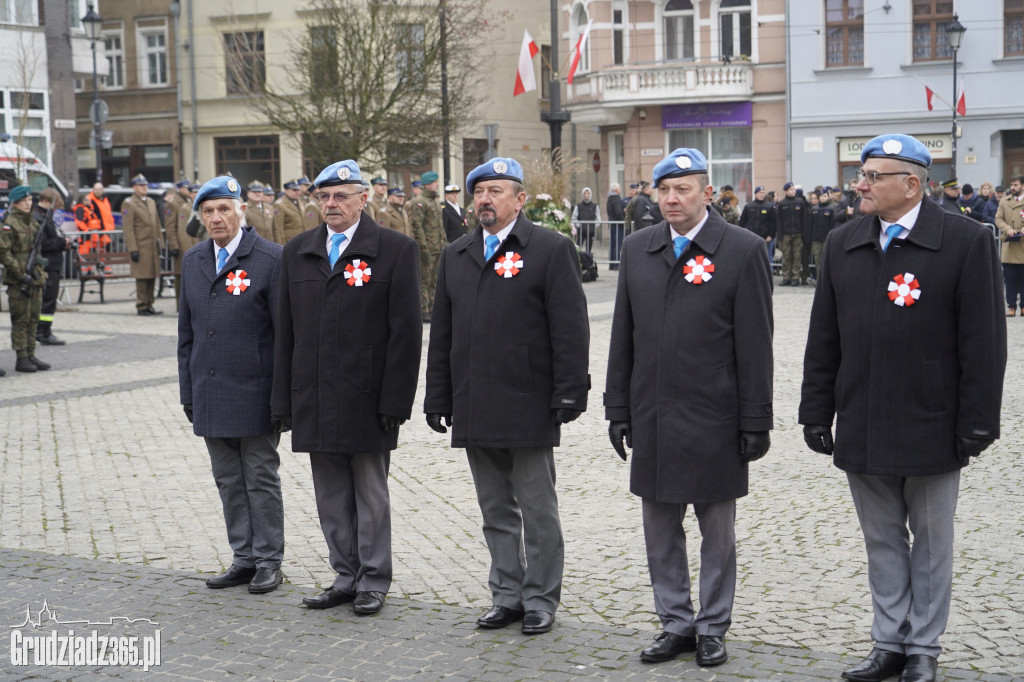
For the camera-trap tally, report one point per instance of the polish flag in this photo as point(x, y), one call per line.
point(928, 92)
point(525, 78)
point(961, 102)
point(579, 50)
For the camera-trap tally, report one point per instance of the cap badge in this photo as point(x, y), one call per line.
point(500, 167)
point(892, 146)
point(684, 162)
point(232, 186)
point(344, 173)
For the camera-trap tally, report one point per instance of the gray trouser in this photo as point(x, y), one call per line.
point(911, 583)
point(354, 506)
point(245, 470)
point(670, 572)
point(516, 491)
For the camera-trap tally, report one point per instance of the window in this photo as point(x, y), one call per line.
point(323, 56)
point(617, 167)
point(244, 62)
point(1013, 22)
point(678, 30)
point(248, 158)
point(930, 40)
point(114, 47)
point(730, 154)
point(153, 56)
point(410, 53)
point(844, 31)
point(579, 25)
point(619, 36)
point(734, 28)
point(23, 115)
point(18, 12)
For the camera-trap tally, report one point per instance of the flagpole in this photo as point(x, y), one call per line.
point(955, 33)
point(555, 117)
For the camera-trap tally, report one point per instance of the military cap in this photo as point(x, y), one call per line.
point(254, 186)
point(222, 187)
point(340, 173)
point(787, 186)
point(1001, 188)
point(952, 183)
point(448, 189)
point(291, 184)
point(194, 187)
point(378, 181)
point(498, 168)
point(680, 162)
point(396, 191)
point(417, 183)
point(896, 146)
point(183, 183)
point(303, 181)
point(140, 179)
point(19, 193)
point(428, 177)
point(759, 188)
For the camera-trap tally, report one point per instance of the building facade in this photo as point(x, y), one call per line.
point(858, 69)
point(660, 74)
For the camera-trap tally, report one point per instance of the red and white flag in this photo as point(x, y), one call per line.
point(929, 94)
point(580, 44)
point(961, 102)
point(525, 78)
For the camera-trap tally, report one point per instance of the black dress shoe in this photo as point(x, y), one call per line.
point(40, 365)
point(143, 311)
point(920, 668)
point(711, 651)
point(785, 283)
point(154, 311)
point(879, 665)
point(329, 598)
point(3, 372)
point(24, 365)
point(668, 645)
point(368, 603)
point(265, 580)
point(537, 622)
point(51, 340)
point(499, 617)
point(235, 575)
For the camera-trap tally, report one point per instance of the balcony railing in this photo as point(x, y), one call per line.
point(665, 82)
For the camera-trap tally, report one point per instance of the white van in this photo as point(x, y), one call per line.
point(17, 162)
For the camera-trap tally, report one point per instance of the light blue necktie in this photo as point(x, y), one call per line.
point(335, 254)
point(892, 231)
point(680, 243)
point(222, 258)
point(492, 246)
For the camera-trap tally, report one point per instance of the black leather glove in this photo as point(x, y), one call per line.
point(188, 412)
point(175, 253)
point(819, 438)
point(281, 423)
point(134, 255)
point(564, 416)
point(617, 432)
point(387, 422)
point(970, 447)
point(754, 445)
point(434, 422)
point(27, 280)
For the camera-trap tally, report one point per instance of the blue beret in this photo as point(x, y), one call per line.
point(428, 177)
point(499, 168)
point(417, 183)
point(339, 173)
point(759, 188)
point(183, 183)
point(222, 187)
point(680, 162)
point(787, 186)
point(396, 191)
point(894, 146)
point(140, 179)
point(19, 193)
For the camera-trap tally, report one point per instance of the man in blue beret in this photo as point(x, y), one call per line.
point(226, 322)
point(906, 350)
point(506, 367)
point(692, 282)
point(347, 359)
point(24, 280)
point(428, 231)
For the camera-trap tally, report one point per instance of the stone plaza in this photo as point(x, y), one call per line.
point(108, 508)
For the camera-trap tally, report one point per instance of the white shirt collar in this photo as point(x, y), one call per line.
point(349, 233)
point(231, 247)
point(502, 235)
point(457, 208)
point(692, 232)
point(906, 222)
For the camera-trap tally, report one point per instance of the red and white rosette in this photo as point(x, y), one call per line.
point(508, 265)
point(238, 282)
point(904, 290)
point(357, 273)
point(698, 270)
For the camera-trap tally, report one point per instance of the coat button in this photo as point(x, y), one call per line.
point(213, 295)
point(209, 334)
point(211, 372)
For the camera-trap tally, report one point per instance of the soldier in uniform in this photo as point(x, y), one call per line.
point(379, 200)
point(425, 214)
point(417, 189)
point(257, 213)
point(823, 221)
point(758, 216)
point(52, 246)
point(141, 224)
point(16, 238)
point(452, 215)
point(791, 223)
point(311, 215)
point(288, 214)
point(395, 216)
point(173, 201)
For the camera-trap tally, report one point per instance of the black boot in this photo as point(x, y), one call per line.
point(39, 364)
point(25, 365)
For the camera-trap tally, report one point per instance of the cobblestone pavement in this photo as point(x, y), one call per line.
point(107, 504)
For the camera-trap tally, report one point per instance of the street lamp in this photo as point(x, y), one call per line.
point(93, 24)
point(955, 33)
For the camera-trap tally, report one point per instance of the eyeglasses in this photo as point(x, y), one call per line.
point(339, 197)
point(871, 177)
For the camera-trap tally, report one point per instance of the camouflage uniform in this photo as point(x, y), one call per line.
point(16, 237)
point(427, 230)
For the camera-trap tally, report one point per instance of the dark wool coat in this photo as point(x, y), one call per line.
point(903, 382)
point(690, 365)
point(506, 352)
point(346, 354)
point(454, 222)
point(226, 342)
